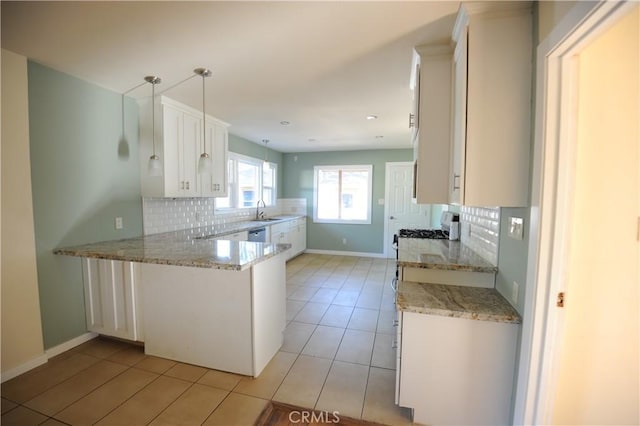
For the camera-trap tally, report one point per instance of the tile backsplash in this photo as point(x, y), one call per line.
point(480, 231)
point(173, 214)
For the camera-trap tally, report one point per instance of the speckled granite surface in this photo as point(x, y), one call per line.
point(185, 248)
point(440, 254)
point(483, 304)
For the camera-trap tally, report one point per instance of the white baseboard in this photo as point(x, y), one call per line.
point(49, 353)
point(23, 368)
point(346, 253)
point(70, 344)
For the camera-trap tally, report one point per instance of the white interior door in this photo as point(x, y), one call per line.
point(583, 365)
point(400, 210)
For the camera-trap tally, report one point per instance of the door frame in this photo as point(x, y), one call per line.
point(553, 180)
point(386, 236)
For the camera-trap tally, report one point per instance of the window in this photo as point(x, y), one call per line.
point(342, 194)
point(250, 180)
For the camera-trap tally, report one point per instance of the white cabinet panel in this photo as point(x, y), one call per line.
point(455, 370)
point(111, 298)
point(491, 104)
point(431, 84)
point(178, 135)
point(216, 143)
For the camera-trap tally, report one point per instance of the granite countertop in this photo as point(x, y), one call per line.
point(190, 247)
point(476, 303)
point(440, 254)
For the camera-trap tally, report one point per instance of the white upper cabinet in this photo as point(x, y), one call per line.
point(178, 144)
point(491, 125)
point(216, 145)
point(431, 86)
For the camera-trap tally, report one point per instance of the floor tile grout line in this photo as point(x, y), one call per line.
point(171, 403)
point(51, 387)
point(123, 402)
point(76, 400)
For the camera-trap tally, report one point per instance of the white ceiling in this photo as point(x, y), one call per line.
point(322, 66)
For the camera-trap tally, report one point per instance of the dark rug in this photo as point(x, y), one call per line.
point(279, 414)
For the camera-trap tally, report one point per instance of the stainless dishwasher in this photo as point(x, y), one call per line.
point(258, 234)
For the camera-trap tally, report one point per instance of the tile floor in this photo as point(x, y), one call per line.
point(337, 356)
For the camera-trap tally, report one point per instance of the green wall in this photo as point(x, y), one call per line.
point(244, 146)
point(84, 173)
point(298, 183)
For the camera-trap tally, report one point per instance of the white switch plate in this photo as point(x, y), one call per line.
point(516, 228)
point(119, 224)
point(381, 201)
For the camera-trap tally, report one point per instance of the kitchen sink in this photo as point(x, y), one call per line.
point(266, 219)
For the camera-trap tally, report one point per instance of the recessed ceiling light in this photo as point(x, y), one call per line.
point(371, 117)
point(379, 137)
point(285, 123)
point(312, 140)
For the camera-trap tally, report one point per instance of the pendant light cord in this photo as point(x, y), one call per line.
point(153, 117)
point(204, 129)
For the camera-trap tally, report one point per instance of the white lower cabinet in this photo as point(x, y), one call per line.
point(112, 299)
point(292, 232)
point(222, 319)
point(455, 371)
point(298, 236)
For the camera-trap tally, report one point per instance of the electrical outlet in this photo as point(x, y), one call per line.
point(119, 224)
point(516, 225)
point(514, 292)
point(344, 241)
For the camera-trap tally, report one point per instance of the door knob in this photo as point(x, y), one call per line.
point(392, 217)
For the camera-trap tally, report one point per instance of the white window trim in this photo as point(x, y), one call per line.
point(260, 163)
point(368, 168)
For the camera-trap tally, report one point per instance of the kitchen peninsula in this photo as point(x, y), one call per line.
point(190, 296)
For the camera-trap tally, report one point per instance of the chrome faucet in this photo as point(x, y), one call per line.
point(260, 214)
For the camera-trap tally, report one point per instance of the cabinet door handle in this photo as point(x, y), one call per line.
point(411, 120)
point(181, 184)
point(455, 176)
point(187, 185)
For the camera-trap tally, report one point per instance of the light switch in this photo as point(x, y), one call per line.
point(119, 224)
point(516, 227)
point(381, 201)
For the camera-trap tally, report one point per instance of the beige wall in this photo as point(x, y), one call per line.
point(549, 14)
point(21, 327)
point(598, 380)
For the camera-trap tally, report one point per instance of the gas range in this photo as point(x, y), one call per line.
point(449, 223)
point(432, 234)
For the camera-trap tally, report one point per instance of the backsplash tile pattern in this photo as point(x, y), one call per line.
point(480, 230)
point(174, 214)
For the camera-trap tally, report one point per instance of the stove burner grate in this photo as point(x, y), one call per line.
point(431, 234)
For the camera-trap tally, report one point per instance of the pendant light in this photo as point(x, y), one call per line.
point(265, 165)
point(204, 163)
point(155, 166)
